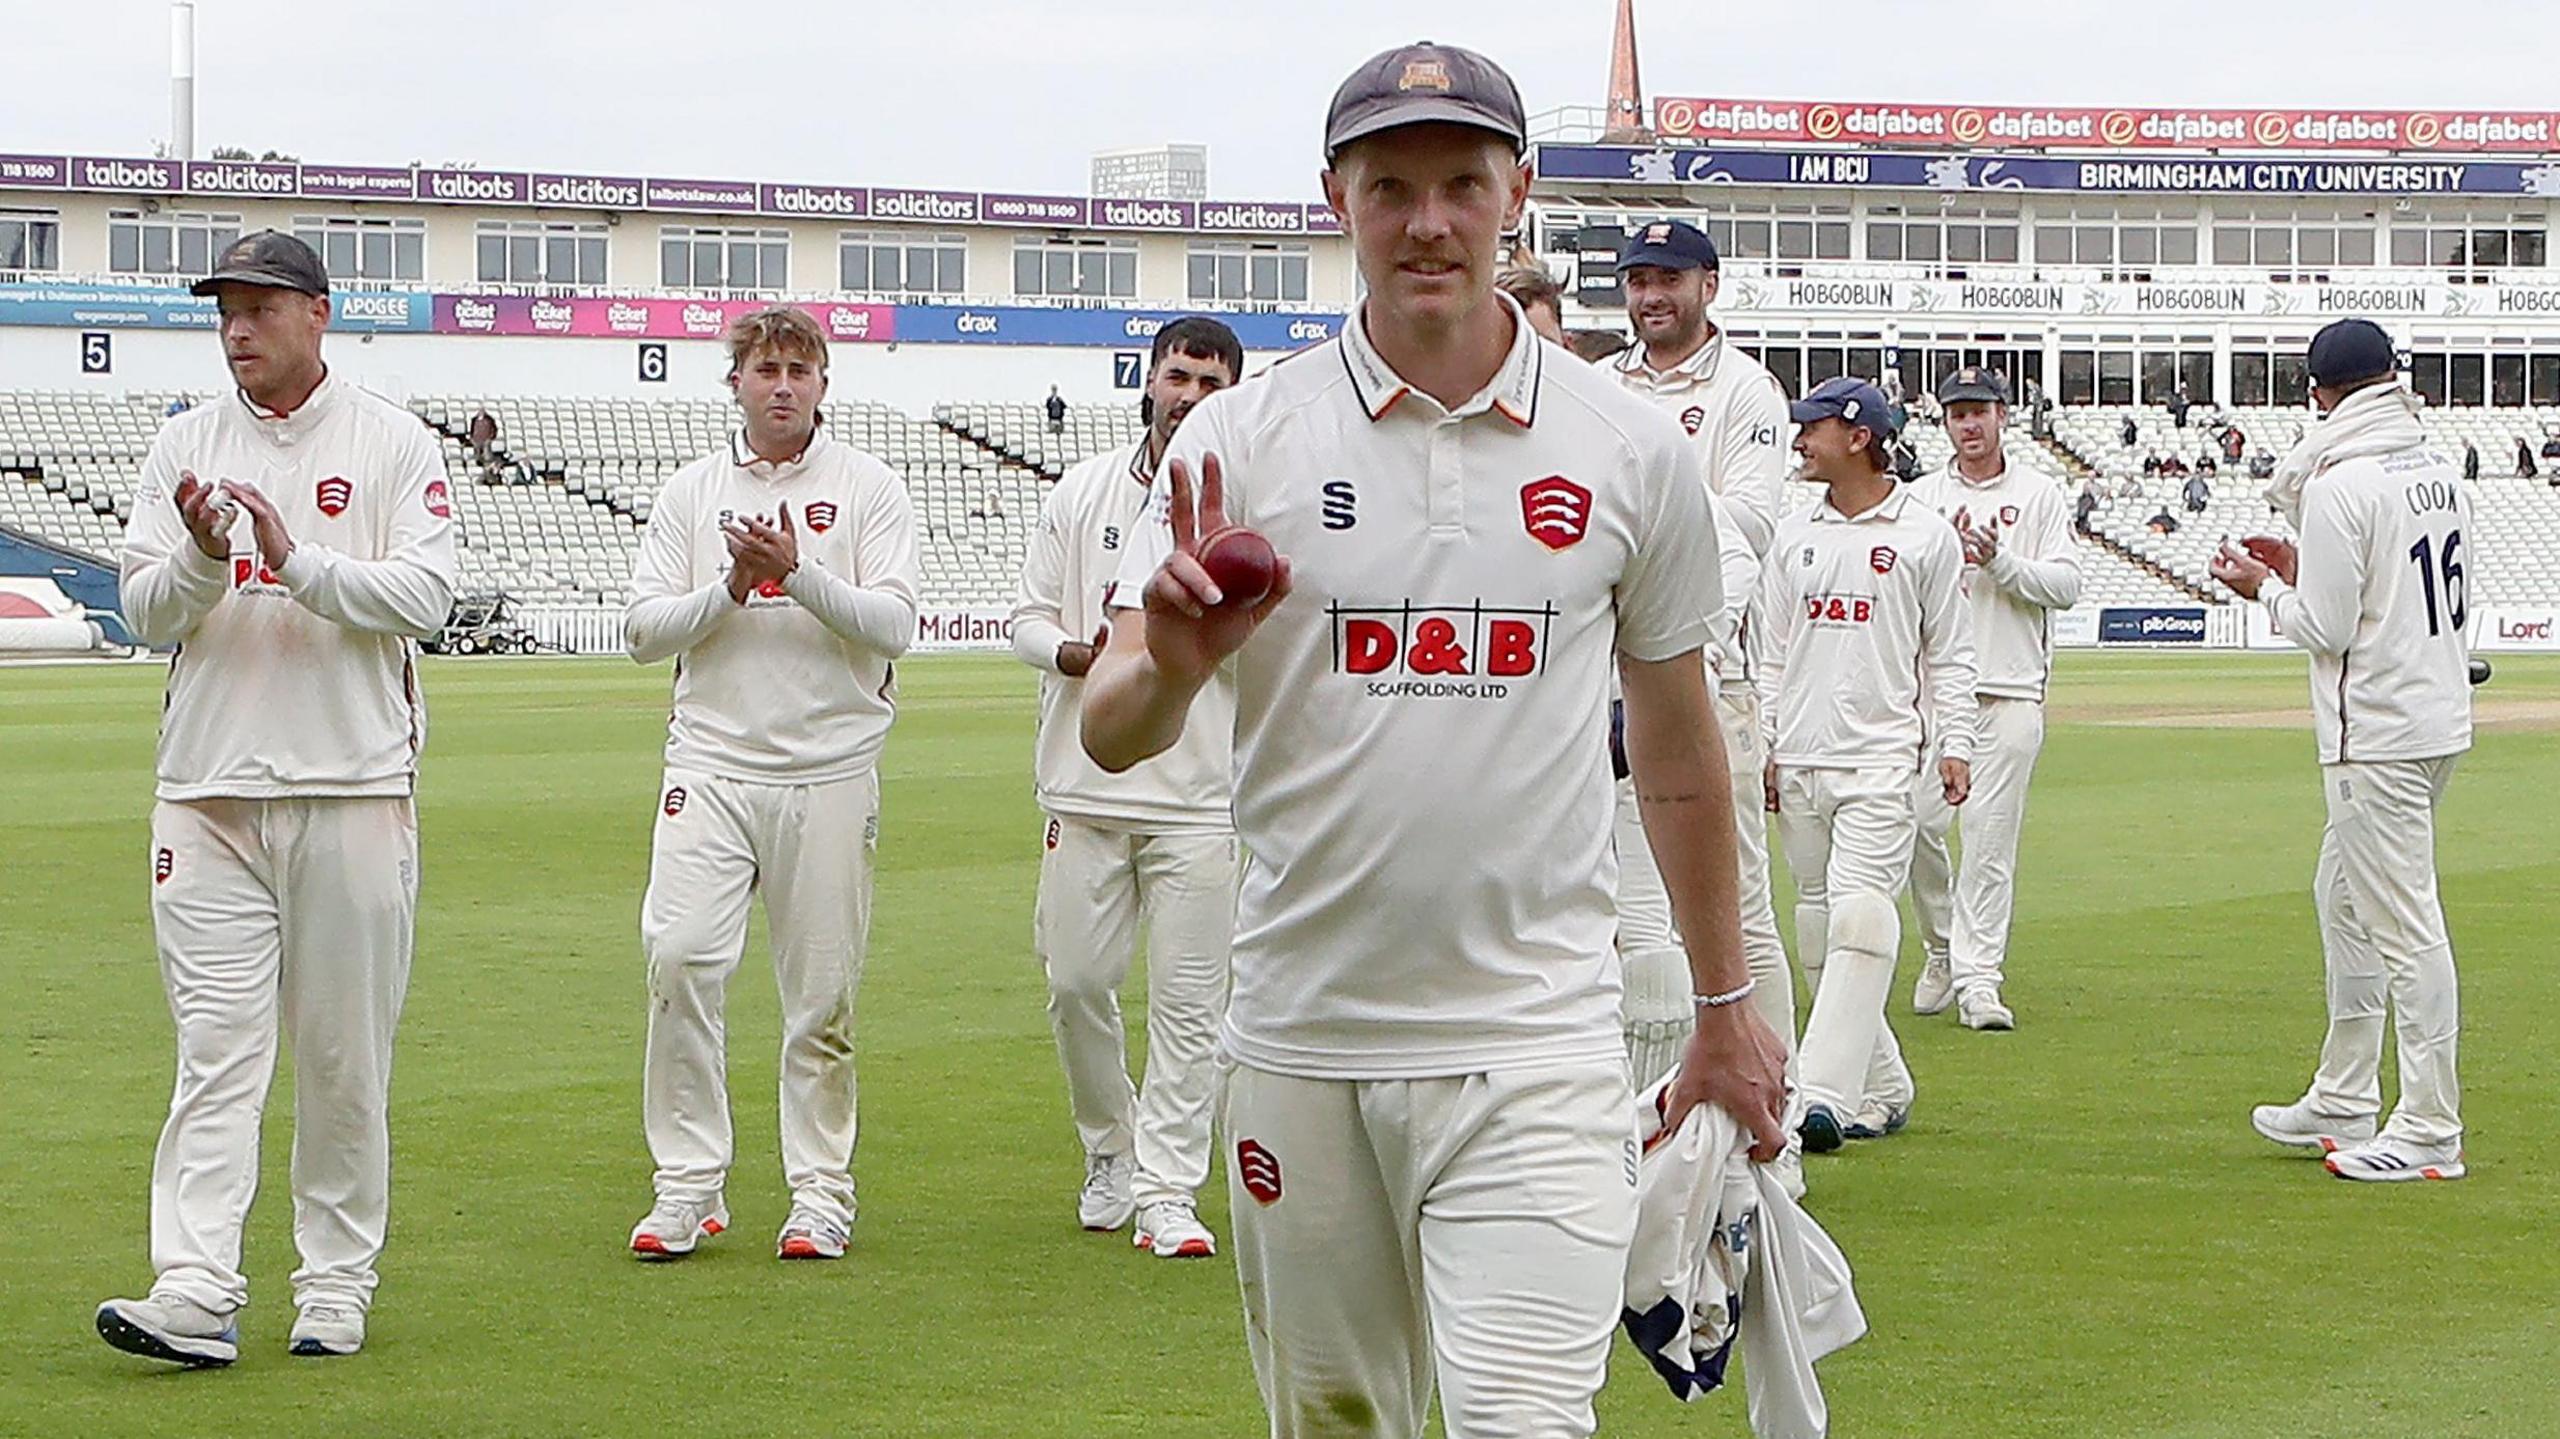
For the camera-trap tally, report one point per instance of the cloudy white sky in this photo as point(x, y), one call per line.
point(1015, 95)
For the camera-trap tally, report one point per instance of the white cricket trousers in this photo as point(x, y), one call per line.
point(809, 849)
point(2382, 933)
point(1098, 886)
point(1470, 1231)
point(1848, 834)
point(1656, 1005)
point(291, 914)
point(1964, 907)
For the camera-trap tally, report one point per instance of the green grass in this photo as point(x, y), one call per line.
point(2077, 1237)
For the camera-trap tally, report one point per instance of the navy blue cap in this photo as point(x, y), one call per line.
point(2349, 350)
point(1973, 383)
point(1845, 398)
point(1670, 245)
point(1421, 83)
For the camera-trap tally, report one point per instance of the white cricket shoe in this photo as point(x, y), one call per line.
point(1105, 1204)
point(323, 1330)
point(2387, 1160)
point(1983, 1010)
point(1171, 1229)
point(1935, 989)
point(165, 1326)
point(2303, 1127)
point(809, 1234)
point(1876, 1119)
point(676, 1225)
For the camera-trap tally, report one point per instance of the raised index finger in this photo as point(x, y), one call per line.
point(1186, 531)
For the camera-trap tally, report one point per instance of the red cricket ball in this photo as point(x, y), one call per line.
point(1241, 563)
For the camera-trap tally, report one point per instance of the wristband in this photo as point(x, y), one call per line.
point(1719, 1001)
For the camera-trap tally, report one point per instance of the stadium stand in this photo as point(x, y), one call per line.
point(555, 517)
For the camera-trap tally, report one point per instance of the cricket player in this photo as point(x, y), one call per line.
point(781, 573)
point(1728, 402)
point(2019, 568)
point(1155, 845)
point(1867, 680)
point(2376, 589)
point(1433, 1144)
point(1735, 416)
point(292, 541)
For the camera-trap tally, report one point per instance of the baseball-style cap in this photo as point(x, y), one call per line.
point(1844, 398)
point(267, 257)
point(2349, 350)
point(1973, 383)
point(1670, 245)
point(1421, 82)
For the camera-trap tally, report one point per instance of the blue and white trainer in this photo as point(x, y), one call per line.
point(165, 1326)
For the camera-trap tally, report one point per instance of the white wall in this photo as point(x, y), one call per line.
point(912, 378)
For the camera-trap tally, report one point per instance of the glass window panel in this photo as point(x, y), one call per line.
point(1230, 276)
point(2489, 247)
point(1920, 242)
point(559, 256)
point(2249, 380)
point(1795, 239)
point(1964, 242)
point(2506, 380)
point(157, 257)
point(708, 272)
point(675, 265)
point(2230, 245)
point(2543, 380)
point(2355, 247)
point(1058, 272)
point(1026, 270)
point(1831, 240)
point(1822, 363)
point(952, 271)
point(2178, 246)
point(489, 256)
point(195, 251)
point(1266, 277)
point(776, 274)
point(2140, 244)
point(1202, 269)
point(225, 236)
point(1884, 242)
point(2079, 377)
point(124, 248)
point(853, 267)
point(2526, 247)
point(2317, 247)
point(2159, 377)
point(2053, 245)
point(2291, 382)
point(888, 269)
point(409, 254)
point(2468, 380)
point(2273, 245)
point(2444, 247)
point(1293, 278)
point(741, 271)
point(1751, 239)
point(373, 259)
point(2195, 371)
point(340, 252)
point(2093, 245)
point(920, 263)
point(591, 253)
point(2408, 247)
point(1124, 273)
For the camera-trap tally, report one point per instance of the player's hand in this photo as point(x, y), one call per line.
point(1979, 545)
point(1769, 786)
point(1734, 1062)
point(2277, 555)
point(760, 554)
point(207, 517)
point(1955, 777)
point(1075, 657)
point(2243, 572)
point(275, 544)
point(1189, 632)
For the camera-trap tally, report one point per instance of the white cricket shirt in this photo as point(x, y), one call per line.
point(1868, 659)
point(2382, 604)
point(794, 686)
point(1067, 578)
point(2034, 572)
point(1734, 413)
point(297, 682)
point(1422, 778)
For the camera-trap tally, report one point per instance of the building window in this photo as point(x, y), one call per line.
point(1953, 236)
point(368, 249)
point(1246, 272)
point(530, 252)
point(699, 257)
point(2486, 242)
point(890, 263)
point(30, 240)
point(2299, 242)
point(167, 243)
point(1094, 268)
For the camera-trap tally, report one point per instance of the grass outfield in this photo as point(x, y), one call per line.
point(2078, 1236)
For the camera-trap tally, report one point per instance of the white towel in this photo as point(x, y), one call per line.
point(1721, 1252)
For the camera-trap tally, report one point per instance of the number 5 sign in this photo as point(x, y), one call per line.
point(97, 353)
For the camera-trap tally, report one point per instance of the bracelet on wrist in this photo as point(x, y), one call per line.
point(1719, 1001)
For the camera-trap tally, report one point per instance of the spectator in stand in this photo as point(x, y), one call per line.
point(2132, 433)
point(2179, 404)
point(2164, 523)
point(1541, 299)
point(2262, 465)
point(1057, 412)
point(2174, 468)
point(2150, 465)
point(1596, 346)
point(2470, 460)
point(2206, 464)
point(2525, 468)
point(483, 435)
point(2087, 505)
point(2198, 495)
point(2131, 489)
point(2234, 444)
point(2551, 446)
point(177, 407)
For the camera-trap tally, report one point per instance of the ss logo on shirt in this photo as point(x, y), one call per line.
point(1341, 505)
point(1111, 537)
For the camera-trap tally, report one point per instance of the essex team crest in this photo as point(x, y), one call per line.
point(1556, 511)
point(821, 515)
point(335, 492)
point(1880, 559)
